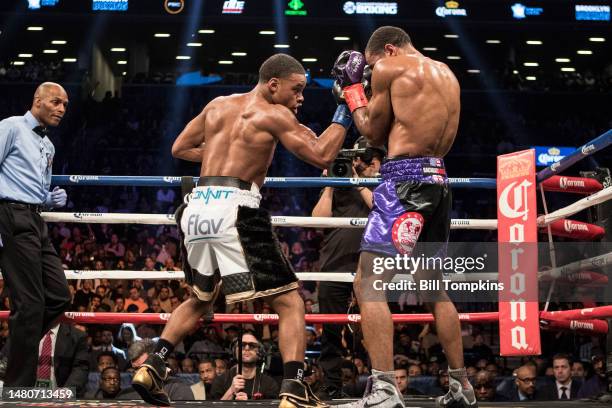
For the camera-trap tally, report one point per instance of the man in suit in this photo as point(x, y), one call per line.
point(563, 388)
point(64, 348)
point(525, 382)
point(201, 389)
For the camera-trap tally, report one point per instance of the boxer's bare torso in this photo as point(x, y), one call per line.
point(414, 106)
point(236, 135)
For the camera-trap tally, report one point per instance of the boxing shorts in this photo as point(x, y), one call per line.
point(225, 235)
point(412, 204)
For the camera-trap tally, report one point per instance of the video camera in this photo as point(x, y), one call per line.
point(343, 165)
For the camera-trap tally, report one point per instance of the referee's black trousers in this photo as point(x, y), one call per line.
point(38, 290)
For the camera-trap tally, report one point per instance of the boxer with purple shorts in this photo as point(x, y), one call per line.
point(410, 102)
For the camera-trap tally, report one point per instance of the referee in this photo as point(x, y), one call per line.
point(33, 272)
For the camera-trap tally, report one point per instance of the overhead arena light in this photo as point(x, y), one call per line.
point(493, 42)
point(531, 64)
point(309, 60)
point(69, 60)
point(206, 31)
point(451, 36)
point(568, 69)
point(473, 71)
point(117, 49)
point(124, 73)
point(194, 44)
point(453, 57)
point(341, 38)
point(25, 55)
point(281, 45)
point(183, 57)
point(49, 51)
point(584, 52)
point(562, 60)
point(515, 72)
point(239, 54)
point(35, 28)
point(597, 39)
point(430, 49)
point(530, 78)
point(267, 32)
point(162, 35)
point(534, 42)
point(121, 62)
point(18, 63)
point(226, 62)
point(58, 42)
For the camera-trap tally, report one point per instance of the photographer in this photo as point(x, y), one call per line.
point(339, 253)
point(252, 383)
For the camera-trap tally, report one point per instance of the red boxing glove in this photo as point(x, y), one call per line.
point(355, 97)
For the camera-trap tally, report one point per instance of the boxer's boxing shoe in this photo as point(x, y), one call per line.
point(148, 381)
point(380, 392)
point(297, 394)
point(457, 397)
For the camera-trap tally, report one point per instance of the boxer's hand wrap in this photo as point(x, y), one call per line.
point(343, 116)
point(348, 68)
point(355, 97)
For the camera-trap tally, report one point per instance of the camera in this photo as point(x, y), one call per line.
point(343, 165)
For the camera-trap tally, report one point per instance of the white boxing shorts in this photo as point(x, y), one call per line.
point(226, 235)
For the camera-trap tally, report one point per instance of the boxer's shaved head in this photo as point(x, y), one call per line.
point(386, 35)
point(279, 66)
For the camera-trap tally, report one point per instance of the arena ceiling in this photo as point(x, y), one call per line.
point(216, 44)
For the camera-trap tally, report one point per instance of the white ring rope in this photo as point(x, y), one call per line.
point(594, 199)
point(279, 221)
point(321, 222)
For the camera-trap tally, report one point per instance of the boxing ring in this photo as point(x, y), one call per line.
point(589, 321)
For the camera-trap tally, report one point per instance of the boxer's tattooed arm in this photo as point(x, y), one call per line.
point(189, 145)
point(374, 121)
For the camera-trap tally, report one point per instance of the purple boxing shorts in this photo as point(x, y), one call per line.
point(413, 203)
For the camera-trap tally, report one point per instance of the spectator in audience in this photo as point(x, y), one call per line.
point(525, 381)
point(578, 370)
point(174, 303)
point(109, 386)
point(119, 304)
point(484, 387)
point(598, 382)
point(105, 359)
point(563, 387)
point(104, 340)
point(83, 295)
point(176, 389)
point(114, 249)
point(136, 300)
point(252, 384)
point(220, 367)
point(314, 377)
point(403, 384)
point(126, 336)
point(414, 370)
point(187, 366)
point(479, 349)
point(164, 299)
point(201, 389)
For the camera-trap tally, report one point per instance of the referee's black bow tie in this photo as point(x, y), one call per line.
point(41, 131)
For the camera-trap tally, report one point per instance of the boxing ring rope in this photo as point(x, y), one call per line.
point(278, 221)
point(276, 182)
point(582, 323)
point(595, 145)
point(597, 198)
